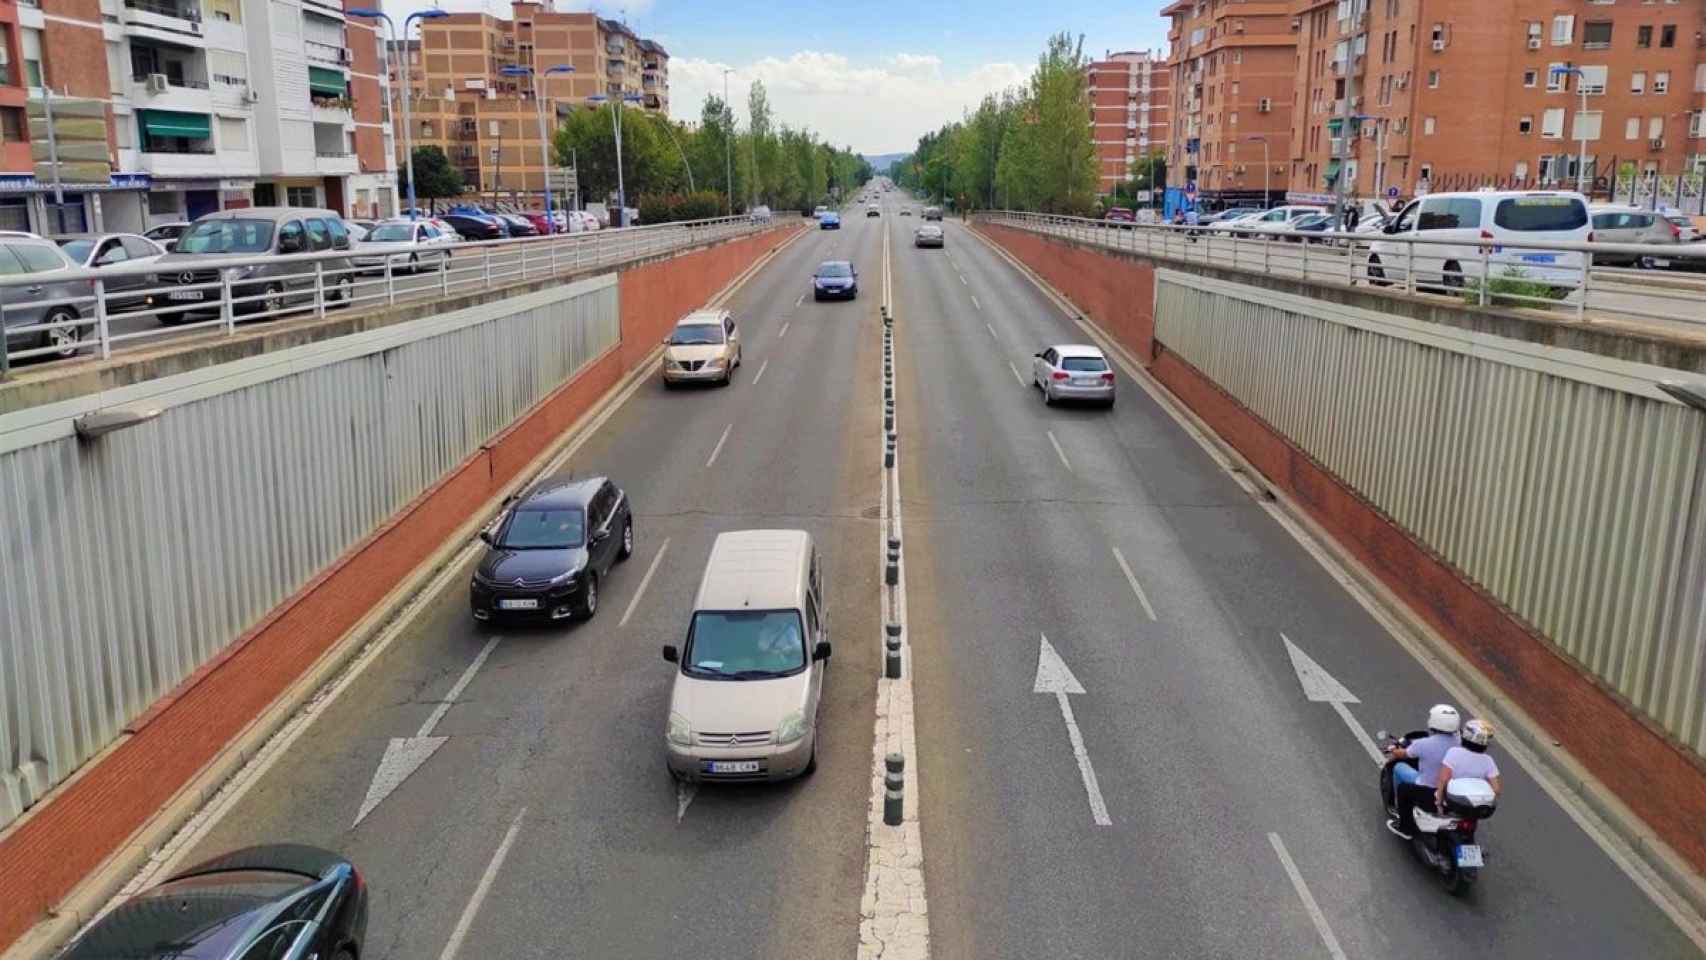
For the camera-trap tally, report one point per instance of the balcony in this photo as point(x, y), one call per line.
point(165, 19)
point(615, 68)
point(317, 52)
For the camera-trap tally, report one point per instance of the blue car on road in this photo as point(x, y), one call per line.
point(829, 220)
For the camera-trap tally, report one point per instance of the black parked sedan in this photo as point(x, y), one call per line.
point(474, 228)
point(547, 553)
point(275, 901)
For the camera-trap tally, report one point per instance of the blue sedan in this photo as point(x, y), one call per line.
point(835, 280)
point(829, 220)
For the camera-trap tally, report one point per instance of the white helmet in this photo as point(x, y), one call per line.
point(1442, 718)
point(1478, 732)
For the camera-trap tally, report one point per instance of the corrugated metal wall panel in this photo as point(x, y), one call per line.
point(127, 563)
point(1577, 504)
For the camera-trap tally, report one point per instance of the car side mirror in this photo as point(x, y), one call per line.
point(666, 341)
point(821, 651)
point(1037, 356)
point(599, 536)
point(487, 538)
point(671, 654)
point(290, 244)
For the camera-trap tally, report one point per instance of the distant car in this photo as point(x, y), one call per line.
point(405, 245)
point(1269, 224)
point(906, 211)
point(1073, 372)
point(760, 214)
point(27, 306)
point(704, 347)
point(928, 235)
point(275, 901)
point(829, 220)
point(1616, 223)
point(474, 228)
point(1302, 228)
point(835, 279)
point(167, 234)
point(546, 554)
point(519, 226)
point(258, 234)
point(96, 250)
point(1120, 215)
point(819, 210)
point(1231, 213)
point(873, 210)
point(932, 213)
point(1686, 232)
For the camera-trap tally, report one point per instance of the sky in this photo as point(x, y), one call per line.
point(859, 78)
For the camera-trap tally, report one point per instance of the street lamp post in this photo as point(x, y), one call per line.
point(1582, 157)
point(616, 126)
point(1267, 169)
point(369, 13)
point(544, 140)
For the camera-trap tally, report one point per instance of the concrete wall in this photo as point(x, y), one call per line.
point(1644, 763)
point(52, 847)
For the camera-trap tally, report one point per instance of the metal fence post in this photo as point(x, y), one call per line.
point(390, 283)
point(1410, 270)
point(101, 318)
point(553, 256)
point(227, 310)
point(1582, 303)
point(1486, 272)
point(486, 268)
point(319, 288)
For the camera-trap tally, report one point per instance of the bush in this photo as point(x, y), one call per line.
point(676, 207)
point(1514, 289)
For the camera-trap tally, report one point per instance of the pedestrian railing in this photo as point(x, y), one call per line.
point(64, 314)
point(1659, 282)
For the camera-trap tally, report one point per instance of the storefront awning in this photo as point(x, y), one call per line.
point(171, 123)
point(1332, 170)
point(327, 82)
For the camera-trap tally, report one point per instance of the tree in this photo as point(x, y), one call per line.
point(435, 178)
point(650, 163)
point(1060, 91)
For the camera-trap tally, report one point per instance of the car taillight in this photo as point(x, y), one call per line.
point(1108, 377)
point(1059, 375)
point(1467, 826)
point(1675, 231)
point(1486, 235)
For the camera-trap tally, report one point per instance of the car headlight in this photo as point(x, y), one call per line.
point(671, 364)
point(680, 731)
point(564, 577)
point(716, 362)
point(792, 727)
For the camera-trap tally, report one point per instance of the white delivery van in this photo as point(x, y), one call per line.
point(1460, 226)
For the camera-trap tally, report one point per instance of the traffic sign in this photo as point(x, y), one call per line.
point(1190, 188)
point(1391, 193)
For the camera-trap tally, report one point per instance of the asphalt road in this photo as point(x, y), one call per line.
point(1203, 745)
point(567, 723)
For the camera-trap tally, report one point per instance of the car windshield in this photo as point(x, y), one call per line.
point(745, 644)
point(392, 231)
point(77, 250)
point(696, 334)
point(835, 270)
point(1541, 213)
point(1083, 364)
point(228, 236)
point(544, 529)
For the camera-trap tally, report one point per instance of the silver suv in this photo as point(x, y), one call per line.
point(36, 294)
point(258, 234)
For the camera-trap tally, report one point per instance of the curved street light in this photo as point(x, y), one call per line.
point(539, 109)
point(616, 125)
point(370, 13)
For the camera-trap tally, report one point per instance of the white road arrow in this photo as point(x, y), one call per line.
point(1320, 687)
point(404, 755)
point(1054, 677)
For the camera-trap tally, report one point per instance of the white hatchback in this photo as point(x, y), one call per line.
point(1464, 228)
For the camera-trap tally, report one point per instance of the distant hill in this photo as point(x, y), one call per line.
point(880, 161)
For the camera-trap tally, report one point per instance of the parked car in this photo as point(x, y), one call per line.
point(1231, 213)
point(519, 226)
point(932, 213)
point(258, 903)
point(835, 279)
point(1304, 229)
point(27, 305)
point(581, 221)
point(357, 232)
point(405, 245)
point(749, 675)
point(264, 285)
point(1073, 372)
point(95, 250)
point(1686, 231)
point(546, 554)
point(928, 235)
point(167, 234)
point(474, 228)
point(444, 228)
point(829, 220)
point(760, 214)
point(541, 223)
point(1269, 224)
point(1617, 223)
point(1493, 218)
point(1119, 215)
point(704, 347)
point(363, 223)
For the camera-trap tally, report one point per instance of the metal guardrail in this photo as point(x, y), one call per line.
point(1416, 265)
point(217, 293)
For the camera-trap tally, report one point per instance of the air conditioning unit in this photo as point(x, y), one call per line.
point(1356, 103)
point(157, 83)
point(1401, 81)
point(346, 55)
point(1657, 143)
point(1439, 46)
point(251, 95)
point(195, 27)
point(1264, 105)
point(1534, 43)
point(1296, 24)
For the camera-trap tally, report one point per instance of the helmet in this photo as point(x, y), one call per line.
point(1442, 718)
point(1478, 732)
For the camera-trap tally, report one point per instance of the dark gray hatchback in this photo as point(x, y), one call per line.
point(547, 552)
point(259, 234)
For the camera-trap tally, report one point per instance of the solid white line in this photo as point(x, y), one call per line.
point(1131, 578)
point(1309, 904)
point(1357, 731)
point(644, 582)
point(1098, 806)
point(784, 331)
point(1016, 376)
point(761, 368)
point(1059, 452)
point(482, 889)
point(719, 447)
point(456, 691)
point(992, 333)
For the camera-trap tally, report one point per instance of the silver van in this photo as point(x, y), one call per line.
point(749, 676)
point(258, 234)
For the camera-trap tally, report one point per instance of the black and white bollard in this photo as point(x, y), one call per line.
point(892, 577)
point(894, 789)
point(891, 659)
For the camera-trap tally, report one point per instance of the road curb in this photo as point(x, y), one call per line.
point(1671, 878)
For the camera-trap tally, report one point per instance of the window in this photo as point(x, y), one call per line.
point(1563, 30)
point(1232, 118)
point(163, 204)
point(1667, 36)
point(1525, 126)
point(1433, 79)
point(1521, 172)
point(1427, 126)
point(1555, 77)
point(1552, 123)
point(1530, 77)
point(1643, 37)
point(1632, 129)
point(12, 125)
point(1535, 29)
point(1655, 127)
point(1426, 172)
point(1586, 125)
point(1638, 82)
point(228, 68)
point(1591, 80)
point(1440, 213)
point(1661, 82)
point(32, 57)
point(541, 528)
point(299, 196)
point(1697, 123)
point(1541, 213)
point(1237, 56)
point(1596, 36)
point(38, 257)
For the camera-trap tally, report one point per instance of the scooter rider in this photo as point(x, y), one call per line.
point(1413, 786)
point(1469, 759)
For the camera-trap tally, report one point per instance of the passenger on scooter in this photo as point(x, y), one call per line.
point(1469, 759)
point(1413, 786)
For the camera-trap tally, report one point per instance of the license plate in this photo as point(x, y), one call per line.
point(734, 766)
point(518, 604)
point(1661, 263)
point(1085, 381)
point(1469, 855)
point(184, 295)
point(1539, 258)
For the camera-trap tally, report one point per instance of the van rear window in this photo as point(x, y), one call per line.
point(1541, 213)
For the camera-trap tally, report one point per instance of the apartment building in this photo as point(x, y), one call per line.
point(492, 141)
point(1443, 96)
point(1129, 104)
point(1233, 67)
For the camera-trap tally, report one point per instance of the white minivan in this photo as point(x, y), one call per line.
point(749, 675)
point(1469, 223)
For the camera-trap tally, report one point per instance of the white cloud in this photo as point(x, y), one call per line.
point(876, 107)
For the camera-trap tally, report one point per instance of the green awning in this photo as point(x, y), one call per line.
point(171, 123)
point(1333, 125)
point(327, 82)
point(1332, 170)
